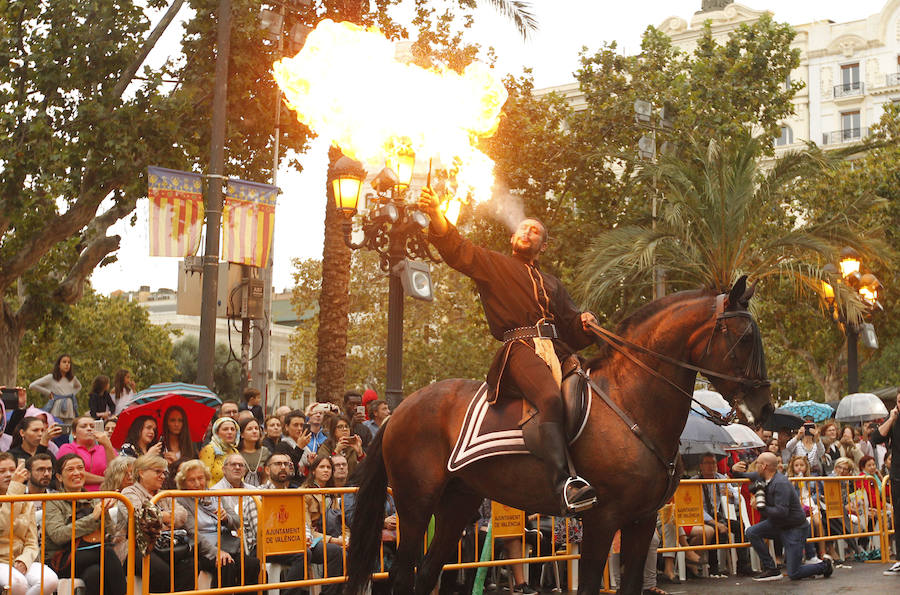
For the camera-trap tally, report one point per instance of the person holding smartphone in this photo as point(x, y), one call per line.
point(33, 437)
point(342, 442)
point(888, 433)
point(806, 444)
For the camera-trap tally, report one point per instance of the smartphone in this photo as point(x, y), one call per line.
point(361, 409)
point(808, 429)
point(11, 399)
point(306, 427)
point(98, 425)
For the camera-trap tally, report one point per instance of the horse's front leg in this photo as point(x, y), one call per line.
point(636, 538)
point(597, 539)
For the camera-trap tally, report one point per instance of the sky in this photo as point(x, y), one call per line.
point(565, 27)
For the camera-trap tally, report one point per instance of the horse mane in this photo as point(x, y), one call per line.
point(640, 316)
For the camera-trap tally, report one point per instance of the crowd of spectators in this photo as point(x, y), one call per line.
point(54, 449)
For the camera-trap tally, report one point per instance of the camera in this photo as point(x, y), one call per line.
point(808, 428)
point(757, 490)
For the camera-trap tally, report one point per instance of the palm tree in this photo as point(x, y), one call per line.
point(519, 13)
point(725, 213)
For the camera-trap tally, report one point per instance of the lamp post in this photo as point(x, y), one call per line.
point(866, 286)
point(395, 230)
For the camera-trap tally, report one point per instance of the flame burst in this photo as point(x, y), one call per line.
point(347, 86)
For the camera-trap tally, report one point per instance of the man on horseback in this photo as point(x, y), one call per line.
point(531, 312)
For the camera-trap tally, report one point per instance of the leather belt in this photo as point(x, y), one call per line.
point(544, 329)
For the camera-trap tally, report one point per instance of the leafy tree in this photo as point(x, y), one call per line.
point(102, 334)
point(70, 139)
point(227, 373)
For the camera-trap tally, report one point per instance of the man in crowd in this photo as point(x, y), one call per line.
point(281, 412)
point(888, 434)
point(229, 409)
point(378, 412)
point(782, 516)
point(539, 325)
point(40, 473)
point(715, 517)
point(234, 469)
point(251, 400)
point(356, 413)
point(296, 438)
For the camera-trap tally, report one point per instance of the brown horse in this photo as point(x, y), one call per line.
point(692, 329)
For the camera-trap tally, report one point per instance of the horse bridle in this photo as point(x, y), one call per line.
point(744, 380)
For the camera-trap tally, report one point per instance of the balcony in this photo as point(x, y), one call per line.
point(849, 135)
point(892, 80)
point(856, 89)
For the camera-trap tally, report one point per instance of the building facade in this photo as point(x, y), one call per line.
point(850, 70)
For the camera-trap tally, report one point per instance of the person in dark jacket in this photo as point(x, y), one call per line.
point(783, 517)
point(888, 434)
point(539, 325)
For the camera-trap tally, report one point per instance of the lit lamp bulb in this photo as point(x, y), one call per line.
point(869, 295)
point(827, 291)
point(849, 262)
point(451, 209)
point(403, 161)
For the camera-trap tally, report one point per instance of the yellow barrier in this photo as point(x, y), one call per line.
point(888, 522)
point(687, 509)
point(75, 497)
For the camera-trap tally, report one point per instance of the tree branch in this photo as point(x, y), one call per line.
point(128, 75)
point(72, 287)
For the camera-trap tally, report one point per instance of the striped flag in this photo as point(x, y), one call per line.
point(176, 211)
point(248, 221)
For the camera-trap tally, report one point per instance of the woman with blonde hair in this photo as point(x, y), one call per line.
point(118, 476)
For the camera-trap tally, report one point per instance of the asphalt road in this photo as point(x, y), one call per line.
point(861, 577)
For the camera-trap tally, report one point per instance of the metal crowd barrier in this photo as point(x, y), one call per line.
point(889, 523)
point(74, 497)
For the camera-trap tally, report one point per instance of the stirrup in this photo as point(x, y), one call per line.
point(580, 505)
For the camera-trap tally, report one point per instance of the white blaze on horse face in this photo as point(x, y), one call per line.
point(746, 411)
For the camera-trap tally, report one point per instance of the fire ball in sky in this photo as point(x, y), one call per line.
point(347, 86)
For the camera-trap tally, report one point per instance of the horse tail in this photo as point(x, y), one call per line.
point(368, 517)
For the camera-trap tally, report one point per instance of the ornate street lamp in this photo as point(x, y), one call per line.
point(396, 231)
point(867, 287)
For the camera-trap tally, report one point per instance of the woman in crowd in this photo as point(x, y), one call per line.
point(176, 438)
point(869, 468)
point(58, 521)
point(327, 535)
point(811, 496)
point(26, 563)
point(341, 442)
point(807, 444)
point(123, 389)
point(142, 438)
point(224, 441)
point(850, 521)
point(253, 451)
point(118, 477)
point(60, 386)
point(829, 434)
point(100, 402)
point(109, 426)
point(148, 476)
point(273, 433)
point(216, 548)
point(32, 438)
point(847, 445)
point(95, 450)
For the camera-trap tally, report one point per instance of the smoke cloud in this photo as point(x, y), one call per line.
point(505, 207)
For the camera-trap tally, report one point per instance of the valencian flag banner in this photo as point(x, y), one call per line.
point(176, 211)
point(248, 220)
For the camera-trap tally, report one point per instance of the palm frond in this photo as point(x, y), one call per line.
point(520, 13)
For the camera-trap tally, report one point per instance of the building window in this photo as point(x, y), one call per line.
point(850, 83)
point(786, 138)
point(283, 364)
point(850, 126)
point(282, 398)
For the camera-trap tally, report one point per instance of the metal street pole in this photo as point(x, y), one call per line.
point(393, 389)
point(852, 359)
point(215, 181)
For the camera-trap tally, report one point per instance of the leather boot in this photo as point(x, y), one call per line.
point(575, 493)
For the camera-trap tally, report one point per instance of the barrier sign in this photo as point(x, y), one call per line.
point(507, 521)
point(283, 524)
point(834, 506)
point(689, 505)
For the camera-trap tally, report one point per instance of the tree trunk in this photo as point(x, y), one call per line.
point(334, 302)
point(11, 333)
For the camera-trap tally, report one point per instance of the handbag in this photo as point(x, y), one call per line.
point(178, 545)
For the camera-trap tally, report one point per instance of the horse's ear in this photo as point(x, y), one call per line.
point(745, 299)
point(737, 292)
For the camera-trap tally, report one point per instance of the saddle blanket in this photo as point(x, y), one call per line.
point(492, 430)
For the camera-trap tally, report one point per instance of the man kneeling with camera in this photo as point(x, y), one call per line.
point(779, 505)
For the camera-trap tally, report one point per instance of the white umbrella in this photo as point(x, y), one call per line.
point(743, 437)
point(859, 407)
point(711, 399)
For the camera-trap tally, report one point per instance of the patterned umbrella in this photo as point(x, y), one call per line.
point(810, 409)
point(859, 407)
point(195, 392)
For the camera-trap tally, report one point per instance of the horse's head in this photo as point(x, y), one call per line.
point(735, 351)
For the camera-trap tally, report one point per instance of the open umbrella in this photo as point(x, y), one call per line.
point(701, 436)
point(782, 419)
point(809, 409)
point(743, 437)
point(196, 392)
point(198, 415)
point(858, 407)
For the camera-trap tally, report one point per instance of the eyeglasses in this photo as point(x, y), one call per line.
point(235, 465)
point(280, 464)
point(340, 464)
point(160, 472)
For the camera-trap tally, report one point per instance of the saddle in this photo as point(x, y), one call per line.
point(509, 425)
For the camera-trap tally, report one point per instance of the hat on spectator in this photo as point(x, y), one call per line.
point(368, 396)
